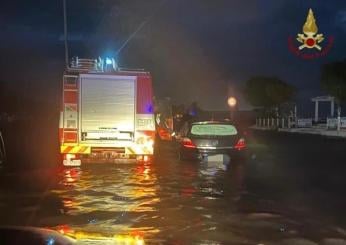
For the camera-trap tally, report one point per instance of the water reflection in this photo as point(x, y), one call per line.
point(211, 170)
point(166, 201)
point(154, 199)
point(71, 176)
point(135, 238)
point(237, 178)
point(188, 177)
point(194, 197)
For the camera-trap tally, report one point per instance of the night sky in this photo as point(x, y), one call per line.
point(196, 50)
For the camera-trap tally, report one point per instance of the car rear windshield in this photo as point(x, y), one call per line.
point(213, 130)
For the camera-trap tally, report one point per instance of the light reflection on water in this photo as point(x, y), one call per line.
point(132, 197)
point(167, 200)
point(109, 198)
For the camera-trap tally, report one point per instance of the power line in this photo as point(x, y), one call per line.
point(140, 27)
point(125, 42)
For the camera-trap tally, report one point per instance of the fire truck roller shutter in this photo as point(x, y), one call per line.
point(107, 103)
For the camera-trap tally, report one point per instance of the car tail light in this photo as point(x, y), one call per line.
point(240, 144)
point(188, 143)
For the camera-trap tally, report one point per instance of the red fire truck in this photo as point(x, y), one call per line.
point(107, 113)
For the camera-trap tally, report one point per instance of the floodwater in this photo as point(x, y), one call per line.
point(262, 200)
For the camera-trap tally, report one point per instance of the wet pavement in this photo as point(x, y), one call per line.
point(289, 190)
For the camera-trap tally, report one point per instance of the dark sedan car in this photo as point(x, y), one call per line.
point(198, 140)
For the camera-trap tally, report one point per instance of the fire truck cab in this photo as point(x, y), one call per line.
point(106, 114)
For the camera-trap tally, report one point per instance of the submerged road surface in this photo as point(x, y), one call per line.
point(290, 190)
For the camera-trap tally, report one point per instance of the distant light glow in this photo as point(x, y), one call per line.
point(232, 101)
point(109, 61)
point(149, 108)
point(50, 241)
point(192, 112)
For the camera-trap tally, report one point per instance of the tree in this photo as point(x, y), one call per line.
point(268, 92)
point(333, 80)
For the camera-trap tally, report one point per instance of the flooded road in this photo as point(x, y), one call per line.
point(278, 195)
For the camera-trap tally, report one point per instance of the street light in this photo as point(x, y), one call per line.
point(232, 102)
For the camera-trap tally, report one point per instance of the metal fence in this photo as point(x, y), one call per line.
point(336, 123)
point(291, 122)
point(274, 123)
